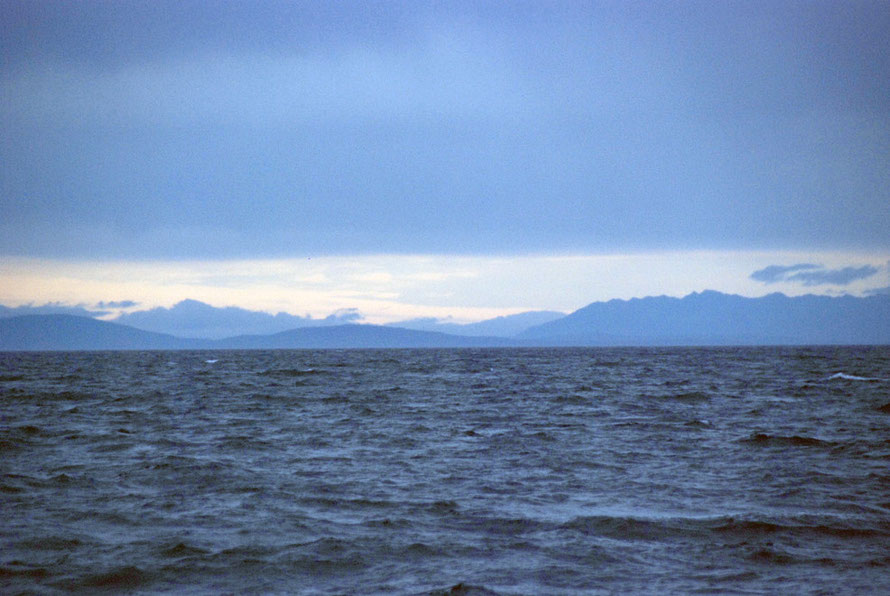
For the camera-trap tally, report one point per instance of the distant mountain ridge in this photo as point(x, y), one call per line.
point(360, 336)
point(71, 333)
point(506, 326)
point(701, 318)
point(193, 318)
point(714, 318)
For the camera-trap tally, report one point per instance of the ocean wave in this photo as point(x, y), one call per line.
point(656, 529)
point(181, 549)
point(463, 589)
point(19, 437)
point(813, 527)
point(353, 504)
point(686, 396)
point(19, 569)
point(631, 528)
point(845, 377)
point(290, 372)
point(121, 578)
point(772, 555)
point(51, 542)
point(763, 439)
point(327, 556)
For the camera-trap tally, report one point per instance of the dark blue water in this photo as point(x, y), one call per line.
point(527, 471)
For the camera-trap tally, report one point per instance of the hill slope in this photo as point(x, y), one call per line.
point(359, 336)
point(506, 326)
point(69, 332)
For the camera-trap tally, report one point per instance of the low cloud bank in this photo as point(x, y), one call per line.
point(808, 274)
point(117, 304)
point(52, 308)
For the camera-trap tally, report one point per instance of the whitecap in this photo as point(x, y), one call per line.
point(847, 377)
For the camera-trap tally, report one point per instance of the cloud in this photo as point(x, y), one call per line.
point(775, 273)
point(50, 308)
point(117, 304)
point(808, 274)
point(344, 315)
point(448, 74)
point(877, 291)
point(838, 277)
point(231, 130)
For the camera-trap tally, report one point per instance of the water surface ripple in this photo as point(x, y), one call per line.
point(502, 471)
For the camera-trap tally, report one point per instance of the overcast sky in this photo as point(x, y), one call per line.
point(214, 133)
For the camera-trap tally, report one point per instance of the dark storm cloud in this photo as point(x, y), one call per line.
point(241, 129)
point(813, 275)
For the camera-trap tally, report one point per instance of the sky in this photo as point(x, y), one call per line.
point(445, 159)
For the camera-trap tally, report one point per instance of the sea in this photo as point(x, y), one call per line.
point(751, 470)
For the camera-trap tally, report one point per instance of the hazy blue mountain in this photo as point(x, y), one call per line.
point(192, 318)
point(706, 318)
point(714, 318)
point(360, 336)
point(68, 332)
point(506, 326)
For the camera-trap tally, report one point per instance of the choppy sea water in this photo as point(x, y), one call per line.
point(502, 471)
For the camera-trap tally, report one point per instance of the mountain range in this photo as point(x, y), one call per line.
point(70, 332)
point(701, 318)
point(506, 326)
point(713, 318)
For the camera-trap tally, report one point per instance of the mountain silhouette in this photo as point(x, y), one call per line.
point(360, 336)
point(701, 318)
point(505, 326)
point(714, 318)
point(193, 318)
point(70, 332)
point(67, 332)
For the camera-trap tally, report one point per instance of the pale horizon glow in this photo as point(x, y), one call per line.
point(391, 288)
